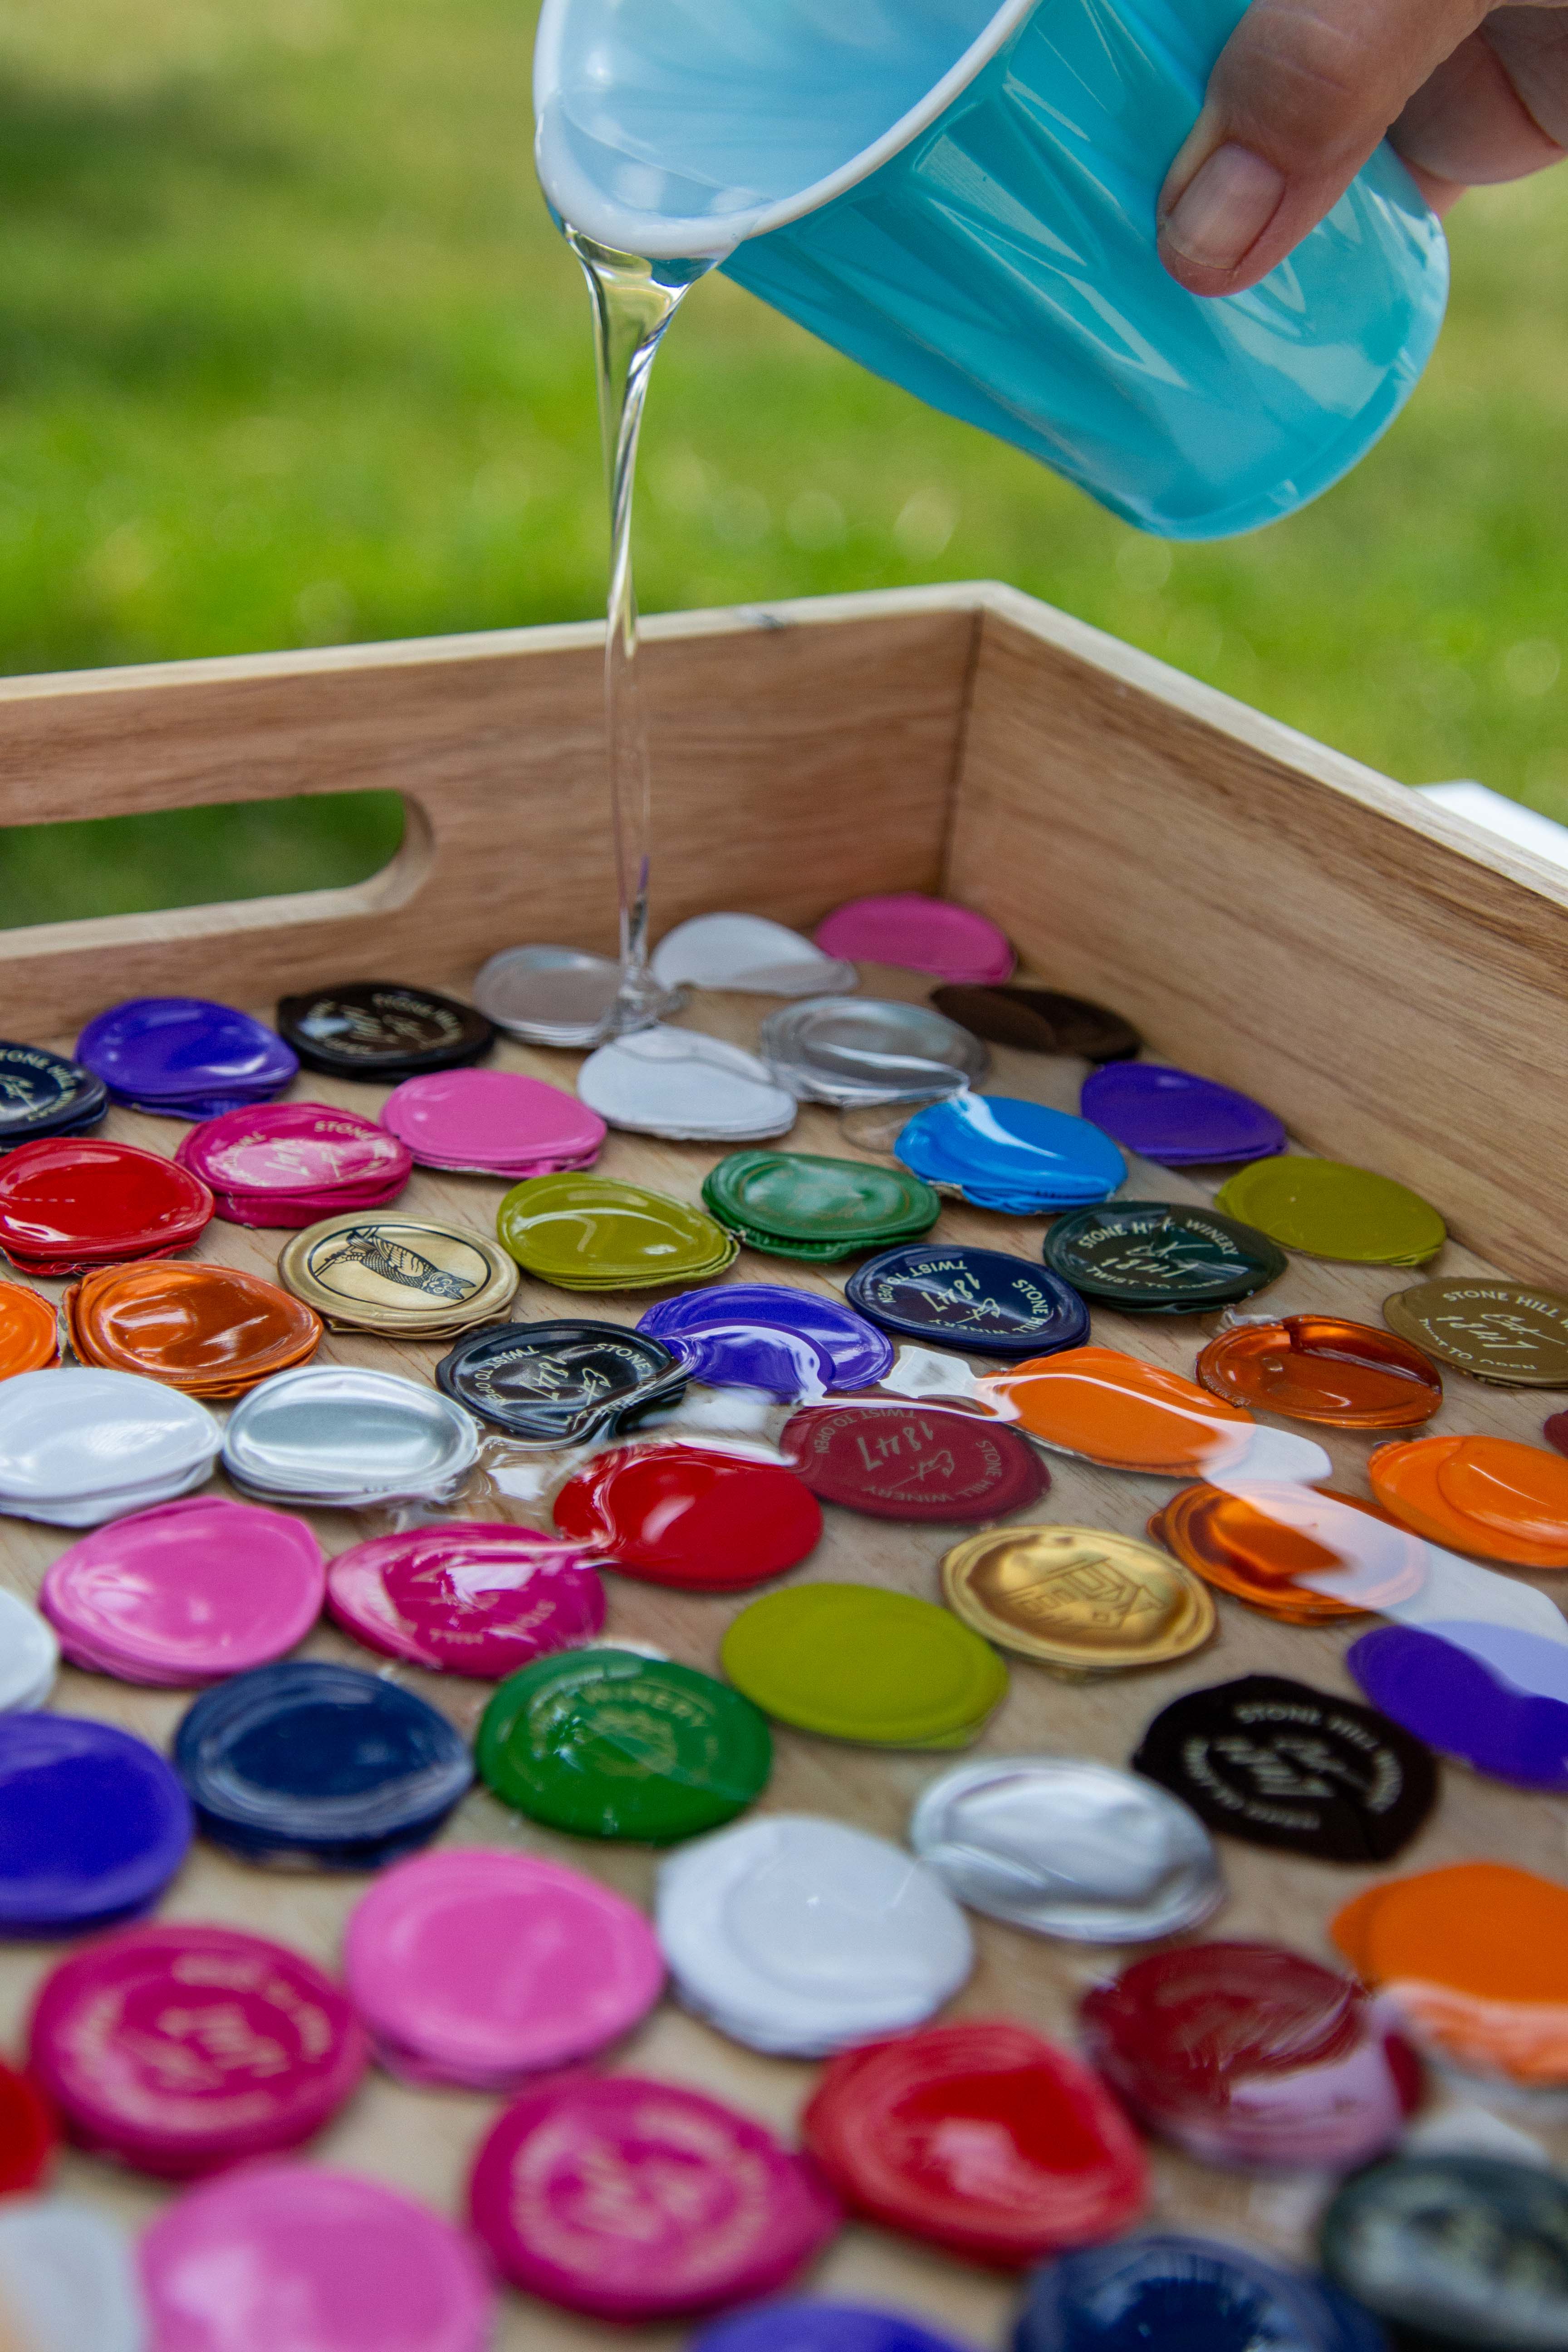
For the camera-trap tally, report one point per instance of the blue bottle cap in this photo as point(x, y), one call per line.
point(983, 1301)
point(729, 1337)
point(1156, 2288)
point(1001, 1152)
point(306, 1762)
point(43, 1093)
point(805, 2327)
point(93, 1824)
point(183, 1054)
point(1463, 1706)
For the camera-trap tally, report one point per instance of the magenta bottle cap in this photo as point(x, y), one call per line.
point(270, 1164)
point(468, 1596)
point(494, 1121)
point(179, 2049)
point(187, 1592)
point(638, 2199)
point(481, 1967)
point(922, 934)
point(296, 2258)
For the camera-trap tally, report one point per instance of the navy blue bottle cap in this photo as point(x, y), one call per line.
point(563, 1384)
point(985, 1302)
point(1156, 2289)
point(43, 1093)
point(93, 1824)
point(320, 1764)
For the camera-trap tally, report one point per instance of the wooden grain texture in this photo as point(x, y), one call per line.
point(803, 754)
point(1392, 981)
point(423, 2140)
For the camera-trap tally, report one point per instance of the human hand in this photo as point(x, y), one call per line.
point(1468, 91)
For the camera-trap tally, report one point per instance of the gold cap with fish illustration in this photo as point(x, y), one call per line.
point(410, 1277)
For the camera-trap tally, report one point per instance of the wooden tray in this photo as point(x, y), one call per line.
point(1385, 977)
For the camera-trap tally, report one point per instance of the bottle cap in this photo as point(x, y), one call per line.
point(181, 2048)
point(856, 1662)
point(1122, 1413)
point(679, 1083)
point(343, 1439)
point(1472, 2250)
point(68, 1446)
point(688, 1517)
point(1041, 1021)
point(696, 2205)
point(1323, 1368)
point(1068, 1847)
point(608, 1744)
point(1501, 1332)
point(175, 1055)
point(850, 1050)
point(1326, 1209)
point(1464, 1706)
point(919, 933)
point(1176, 1118)
point(1246, 1549)
point(922, 1462)
point(29, 1337)
point(800, 1937)
point(1160, 1257)
point(750, 953)
point(729, 1338)
point(817, 2326)
point(593, 1233)
point(1555, 1429)
point(75, 1201)
point(187, 1592)
point(415, 1275)
point(1104, 2298)
point(328, 2260)
point(208, 1330)
point(550, 995)
point(324, 1764)
point(288, 1164)
point(43, 1093)
point(30, 1657)
point(379, 1029)
point(895, 2129)
point(1279, 1764)
point(96, 1824)
point(492, 1122)
point(1077, 1599)
point(68, 2274)
point(480, 1969)
point(1482, 1495)
point(1247, 2054)
point(556, 1384)
point(1000, 1152)
point(985, 1302)
point(27, 2136)
point(799, 1205)
point(467, 1596)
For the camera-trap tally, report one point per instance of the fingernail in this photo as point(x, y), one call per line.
point(1225, 208)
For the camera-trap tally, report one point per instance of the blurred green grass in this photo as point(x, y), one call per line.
point(290, 355)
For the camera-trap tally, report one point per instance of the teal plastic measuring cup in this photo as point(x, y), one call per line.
point(962, 196)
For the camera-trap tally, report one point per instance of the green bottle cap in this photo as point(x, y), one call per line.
point(1328, 1210)
point(593, 1233)
point(858, 1662)
point(794, 1198)
point(608, 1744)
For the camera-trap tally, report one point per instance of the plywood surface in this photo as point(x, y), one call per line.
point(422, 2140)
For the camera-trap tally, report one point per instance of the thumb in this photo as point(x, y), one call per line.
point(1301, 96)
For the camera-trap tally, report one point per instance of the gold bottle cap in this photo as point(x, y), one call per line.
point(1076, 1597)
point(1504, 1331)
point(385, 1272)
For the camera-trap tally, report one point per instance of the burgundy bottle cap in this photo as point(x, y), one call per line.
point(916, 1462)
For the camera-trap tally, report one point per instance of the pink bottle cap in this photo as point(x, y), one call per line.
point(291, 1156)
point(179, 2049)
point(495, 1121)
point(296, 2258)
point(481, 1968)
point(187, 1592)
point(921, 933)
point(638, 2199)
point(468, 1596)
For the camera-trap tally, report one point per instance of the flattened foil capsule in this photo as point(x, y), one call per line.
point(1512, 1333)
point(854, 1049)
point(555, 1385)
point(1068, 1847)
point(1077, 1599)
point(413, 1275)
point(1157, 1258)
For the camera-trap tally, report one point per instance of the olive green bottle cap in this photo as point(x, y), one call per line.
point(1327, 1209)
point(854, 1661)
point(593, 1233)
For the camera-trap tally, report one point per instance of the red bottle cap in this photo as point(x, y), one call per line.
point(27, 2134)
point(638, 2199)
point(179, 2049)
point(687, 1516)
point(916, 1462)
point(983, 2136)
point(75, 1201)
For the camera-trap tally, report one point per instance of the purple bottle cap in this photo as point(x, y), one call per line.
point(798, 2325)
point(179, 2049)
point(468, 1596)
point(723, 1335)
point(921, 933)
point(293, 2255)
point(169, 1052)
point(481, 1967)
point(1177, 1118)
point(93, 1824)
point(1462, 1707)
point(492, 1120)
point(691, 2204)
point(187, 1592)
